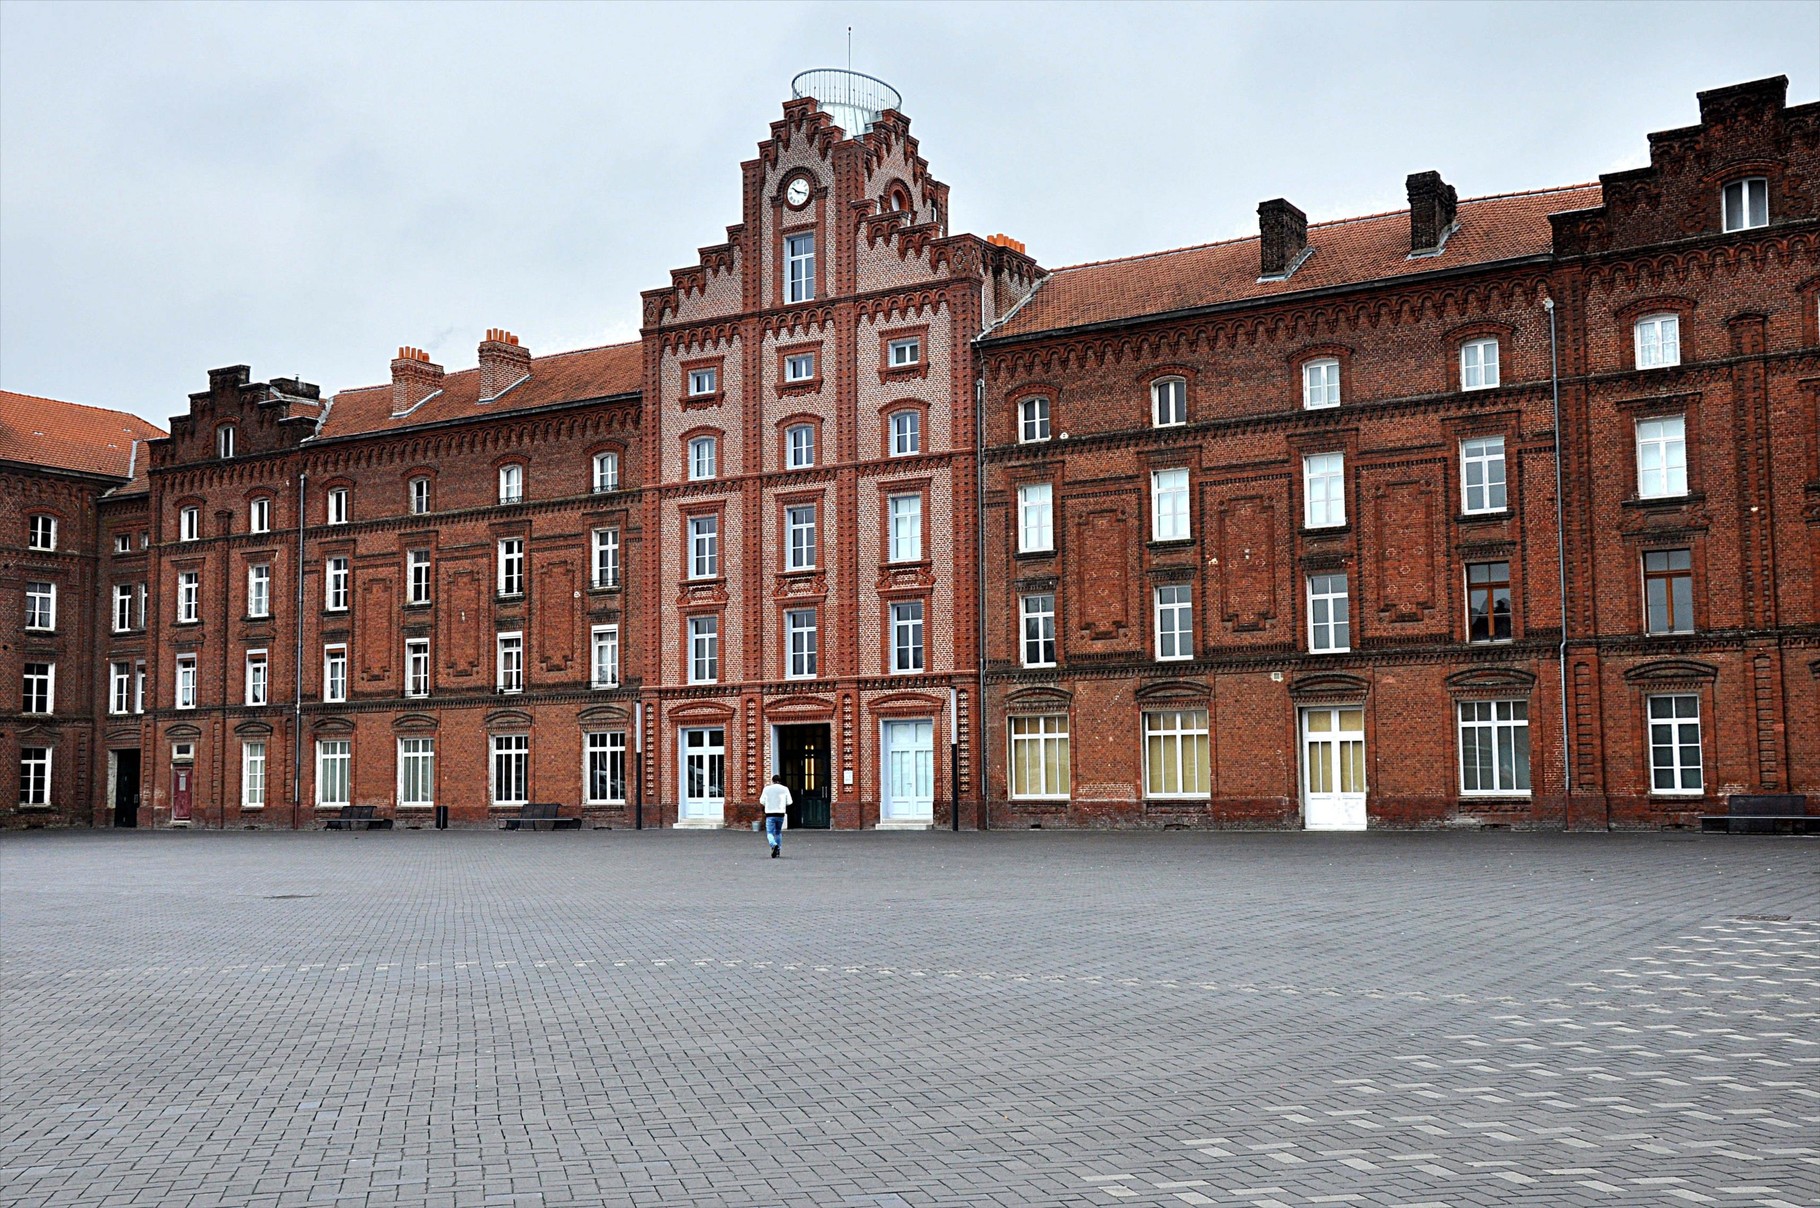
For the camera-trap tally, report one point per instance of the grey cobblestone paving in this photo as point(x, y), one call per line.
point(909, 1020)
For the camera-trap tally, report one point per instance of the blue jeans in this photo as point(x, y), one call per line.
point(774, 829)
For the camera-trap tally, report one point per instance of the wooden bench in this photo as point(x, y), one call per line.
point(1763, 814)
point(363, 817)
point(534, 814)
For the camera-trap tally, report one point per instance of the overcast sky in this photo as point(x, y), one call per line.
point(305, 187)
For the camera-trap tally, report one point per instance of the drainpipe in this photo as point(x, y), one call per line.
point(980, 761)
point(1554, 378)
point(297, 667)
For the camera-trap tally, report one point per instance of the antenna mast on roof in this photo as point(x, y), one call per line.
point(849, 48)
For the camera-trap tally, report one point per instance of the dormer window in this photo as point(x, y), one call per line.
point(1321, 383)
point(903, 353)
point(1168, 402)
point(189, 524)
point(703, 381)
point(511, 484)
point(1032, 420)
point(1746, 203)
point(606, 473)
point(224, 441)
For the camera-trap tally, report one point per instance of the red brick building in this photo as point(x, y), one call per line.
point(1264, 532)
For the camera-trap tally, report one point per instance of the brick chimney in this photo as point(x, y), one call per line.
point(414, 379)
point(1432, 202)
point(1282, 234)
point(504, 362)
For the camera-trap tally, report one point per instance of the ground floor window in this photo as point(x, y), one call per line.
point(1039, 755)
point(605, 769)
point(1176, 762)
point(252, 775)
point(416, 772)
point(334, 758)
point(35, 777)
point(511, 769)
point(1494, 746)
point(1674, 744)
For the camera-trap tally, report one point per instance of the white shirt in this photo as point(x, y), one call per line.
point(775, 799)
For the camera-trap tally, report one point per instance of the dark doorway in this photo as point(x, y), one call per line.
point(802, 760)
point(126, 788)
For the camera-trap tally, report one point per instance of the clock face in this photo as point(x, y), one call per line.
point(798, 193)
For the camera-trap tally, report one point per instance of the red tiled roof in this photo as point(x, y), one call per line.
point(71, 436)
point(1346, 252)
point(560, 377)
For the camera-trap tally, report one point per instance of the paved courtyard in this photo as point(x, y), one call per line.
point(904, 1019)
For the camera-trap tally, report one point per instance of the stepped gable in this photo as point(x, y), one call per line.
point(1348, 252)
point(72, 436)
point(560, 377)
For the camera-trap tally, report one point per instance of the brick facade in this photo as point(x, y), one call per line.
point(1178, 466)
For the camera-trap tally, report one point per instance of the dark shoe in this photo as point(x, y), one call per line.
point(776, 852)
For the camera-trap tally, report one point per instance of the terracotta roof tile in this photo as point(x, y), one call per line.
point(71, 436)
point(560, 377)
point(1346, 252)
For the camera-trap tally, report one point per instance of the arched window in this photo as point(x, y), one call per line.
point(1746, 203)
point(1658, 341)
point(906, 433)
point(1168, 402)
point(224, 441)
point(606, 472)
point(799, 446)
point(511, 484)
point(1033, 419)
point(703, 458)
point(1321, 383)
point(418, 494)
point(1479, 364)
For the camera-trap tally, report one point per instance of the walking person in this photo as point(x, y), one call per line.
point(775, 800)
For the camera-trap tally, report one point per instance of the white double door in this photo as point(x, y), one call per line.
point(909, 786)
point(1333, 769)
point(704, 768)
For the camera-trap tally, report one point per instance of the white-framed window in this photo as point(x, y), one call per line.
point(704, 649)
point(334, 767)
point(335, 674)
point(509, 662)
point(123, 543)
point(259, 590)
point(906, 528)
point(703, 458)
point(703, 381)
point(417, 567)
point(340, 505)
point(139, 686)
point(604, 766)
point(1658, 340)
point(1177, 756)
point(1482, 474)
point(1168, 402)
point(417, 491)
point(224, 441)
point(799, 367)
point(417, 667)
point(145, 599)
point(1494, 747)
point(906, 433)
point(40, 605)
point(34, 778)
point(704, 547)
point(39, 690)
point(335, 584)
point(123, 607)
point(1479, 364)
point(511, 484)
point(511, 566)
point(186, 682)
point(1039, 755)
point(1329, 614)
point(1674, 745)
point(252, 774)
point(902, 352)
point(119, 687)
point(606, 557)
point(1032, 420)
point(416, 773)
point(799, 537)
point(605, 643)
point(1662, 457)
point(1035, 517)
point(799, 446)
point(41, 532)
point(256, 678)
point(799, 267)
point(1169, 505)
point(1174, 622)
point(189, 523)
point(1320, 383)
point(1038, 611)
point(259, 515)
point(802, 640)
point(1323, 490)
point(907, 636)
point(1745, 203)
point(606, 473)
point(189, 596)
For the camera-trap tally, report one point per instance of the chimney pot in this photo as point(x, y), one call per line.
point(1432, 206)
point(1282, 234)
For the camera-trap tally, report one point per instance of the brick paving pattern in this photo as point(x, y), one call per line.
point(882, 1020)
